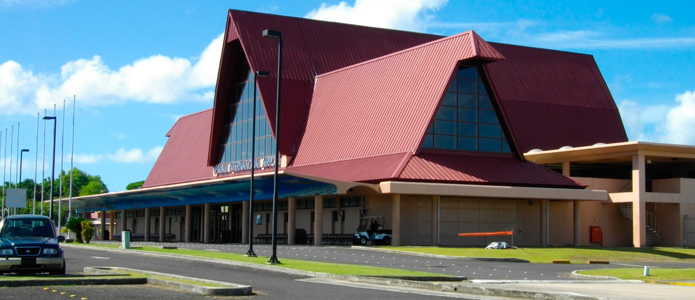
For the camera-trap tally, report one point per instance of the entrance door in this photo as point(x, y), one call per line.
point(196, 223)
point(236, 223)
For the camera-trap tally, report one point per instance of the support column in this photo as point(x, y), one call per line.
point(112, 219)
point(291, 220)
point(639, 210)
point(396, 219)
point(318, 220)
point(566, 168)
point(577, 223)
point(102, 218)
point(124, 220)
point(435, 220)
point(189, 211)
point(147, 224)
point(162, 223)
point(244, 222)
point(545, 220)
point(206, 223)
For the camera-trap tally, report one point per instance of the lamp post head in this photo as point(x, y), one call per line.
point(25, 150)
point(49, 118)
point(262, 73)
point(272, 33)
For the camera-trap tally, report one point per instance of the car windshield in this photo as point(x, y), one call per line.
point(27, 228)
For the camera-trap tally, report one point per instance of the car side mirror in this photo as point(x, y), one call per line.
point(61, 238)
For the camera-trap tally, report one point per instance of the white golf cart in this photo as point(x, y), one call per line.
point(372, 229)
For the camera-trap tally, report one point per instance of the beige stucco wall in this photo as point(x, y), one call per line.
point(670, 221)
point(617, 229)
point(561, 223)
point(416, 220)
point(528, 229)
point(380, 205)
point(605, 184)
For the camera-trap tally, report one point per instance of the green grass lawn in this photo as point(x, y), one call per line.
point(574, 255)
point(339, 269)
point(655, 274)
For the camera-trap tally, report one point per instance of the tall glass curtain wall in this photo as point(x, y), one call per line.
point(466, 119)
point(237, 145)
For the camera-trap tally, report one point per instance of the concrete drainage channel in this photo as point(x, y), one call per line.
point(220, 288)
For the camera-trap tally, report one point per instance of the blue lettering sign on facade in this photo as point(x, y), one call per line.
point(243, 165)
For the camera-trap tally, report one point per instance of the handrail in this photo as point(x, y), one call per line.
point(653, 223)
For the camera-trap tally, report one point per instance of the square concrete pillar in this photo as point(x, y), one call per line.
point(162, 223)
point(639, 210)
point(318, 220)
point(545, 223)
point(291, 220)
point(147, 224)
point(244, 222)
point(206, 223)
point(566, 168)
point(112, 220)
point(435, 220)
point(102, 218)
point(124, 220)
point(396, 219)
point(187, 230)
point(577, 223)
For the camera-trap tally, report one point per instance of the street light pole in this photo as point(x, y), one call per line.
point(53, 167)
point(250, 253)
point(21, 161)
point(277, 35)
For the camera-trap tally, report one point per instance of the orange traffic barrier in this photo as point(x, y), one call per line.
point(496, 233)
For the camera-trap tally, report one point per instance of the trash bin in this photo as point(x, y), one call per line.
point(125, 239)
point(300, 236)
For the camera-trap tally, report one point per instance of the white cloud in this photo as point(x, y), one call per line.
point(678, 125)
point(396, 14)
point(86, 158)
point(155, 79)
point(135, 155)
point(660, 18)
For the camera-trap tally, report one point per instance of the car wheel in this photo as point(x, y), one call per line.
point(58, 272)
point(363, 241)
point(386, 240)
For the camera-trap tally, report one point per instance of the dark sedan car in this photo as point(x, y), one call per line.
point(28, 244)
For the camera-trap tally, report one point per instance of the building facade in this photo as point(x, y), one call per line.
point(437, 135)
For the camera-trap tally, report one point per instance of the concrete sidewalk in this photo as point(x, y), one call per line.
point(610, 290)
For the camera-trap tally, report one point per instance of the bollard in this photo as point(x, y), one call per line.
point(125, 239)
point(646, 271)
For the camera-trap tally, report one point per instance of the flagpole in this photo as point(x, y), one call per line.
point(10, 175)
point(62, 146)
point(43, 164)
point(36, 165)
point(72, 155)
point(19, 165)
point(3, 169)
point(4, 166)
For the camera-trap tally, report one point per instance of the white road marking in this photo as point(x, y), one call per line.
point(100, 257)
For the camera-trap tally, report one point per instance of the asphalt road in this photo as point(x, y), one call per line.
point(267, 285)
point(470, 269)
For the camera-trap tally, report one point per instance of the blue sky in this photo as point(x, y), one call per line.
point(136, 66)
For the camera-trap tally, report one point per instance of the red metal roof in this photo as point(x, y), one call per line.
point(184, 156)
point(490, 169)
point(551, 99)
point(384, 106)
point(373, 168)
point(310, 48)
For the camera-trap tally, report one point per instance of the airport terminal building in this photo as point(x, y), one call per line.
point(437, 135)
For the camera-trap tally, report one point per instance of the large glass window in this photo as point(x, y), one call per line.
point(466, 119)
point(236, 145)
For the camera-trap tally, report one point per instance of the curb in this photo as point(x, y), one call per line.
point(464, 258)
point(575, 274)
point(232, 289)
point(486, 281)
point(73, 281)
point(437, 286)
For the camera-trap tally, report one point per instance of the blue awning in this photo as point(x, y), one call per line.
point(204, 192)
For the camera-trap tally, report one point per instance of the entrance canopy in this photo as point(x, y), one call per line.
point(211, 191)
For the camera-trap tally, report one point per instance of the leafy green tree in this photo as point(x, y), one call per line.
point(95, 186)
point(135, 185)
point(87, 231)
point(75, 225)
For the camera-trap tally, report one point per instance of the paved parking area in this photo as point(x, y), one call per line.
point(105, 292)
point(347, 255)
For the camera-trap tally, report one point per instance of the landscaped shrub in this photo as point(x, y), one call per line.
point(87, 231)
point(74, 224)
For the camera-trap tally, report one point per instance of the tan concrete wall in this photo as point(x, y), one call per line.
point(469, 215)
point(380, 205)
point(617, 229)
point(672, 185)
point(352, 219)
point(561, 223)
point(416, 220)
point(605, 184)
point(528, 218)
point(670, 221)
point(304, 219)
